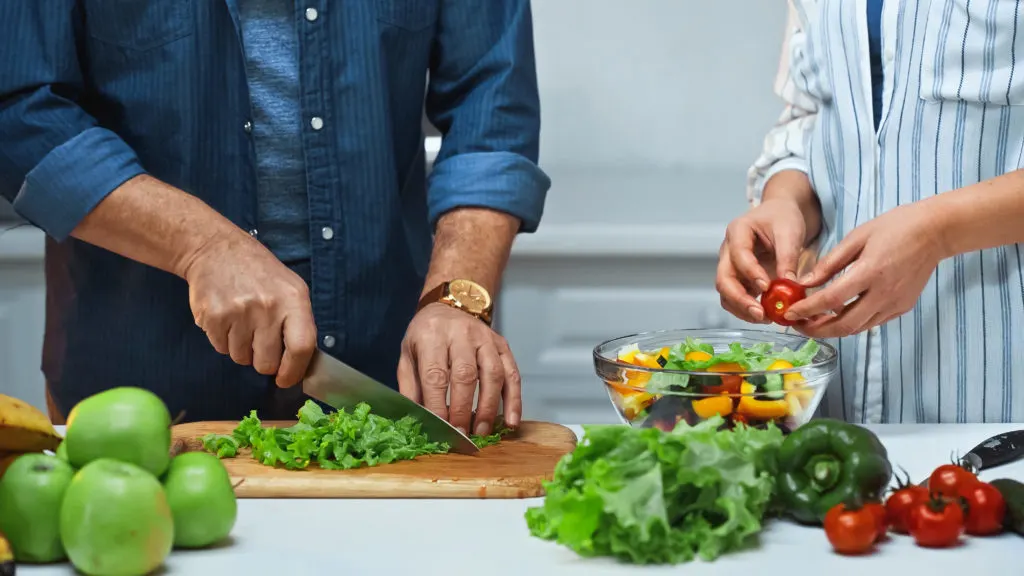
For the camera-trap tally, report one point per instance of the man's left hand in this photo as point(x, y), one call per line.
point(887, 263)
point(447, 347)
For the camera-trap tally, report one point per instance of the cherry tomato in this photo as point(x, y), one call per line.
point(899, 505)
point(780, 295)
point(949, 480)
point(936, 523)
point(851, 531)
point(985, 507)
point(881, 521)
point(730, 384)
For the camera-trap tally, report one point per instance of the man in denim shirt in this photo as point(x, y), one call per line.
point(228, 184)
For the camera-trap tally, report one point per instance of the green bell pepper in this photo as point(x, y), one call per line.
point(827, 462)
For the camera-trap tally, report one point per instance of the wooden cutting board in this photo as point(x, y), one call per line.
point(513, 468)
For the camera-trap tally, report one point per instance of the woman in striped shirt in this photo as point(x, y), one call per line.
point(898, 157)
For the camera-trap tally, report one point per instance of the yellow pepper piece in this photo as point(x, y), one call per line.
point(793, 384)
point(646, 360)
point(634, 403)
point(628, 357)
point(726, 367)
point(760, 409)
point(796, 408)
point(697, 356)
point(708, 407)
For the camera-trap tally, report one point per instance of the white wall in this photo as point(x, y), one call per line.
point(656, 82)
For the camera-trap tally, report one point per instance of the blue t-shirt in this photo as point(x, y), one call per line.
point(270, 39)
point(875, 47)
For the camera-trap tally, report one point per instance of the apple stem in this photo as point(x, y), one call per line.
point(177, 419)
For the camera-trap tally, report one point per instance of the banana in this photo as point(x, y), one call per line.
point(6, 557)
point(23, 428)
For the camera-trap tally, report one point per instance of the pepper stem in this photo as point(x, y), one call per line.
point(823, 471)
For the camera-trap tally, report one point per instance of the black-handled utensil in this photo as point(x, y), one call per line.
point(996, 451)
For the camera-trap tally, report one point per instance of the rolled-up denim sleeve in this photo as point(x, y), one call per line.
point(56, 162)
point(483, 98)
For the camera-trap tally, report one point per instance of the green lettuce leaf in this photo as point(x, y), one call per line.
point(222, 445)
point(651, 497)
point(753, 358)
point(338, 441)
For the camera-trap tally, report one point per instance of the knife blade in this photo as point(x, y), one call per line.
point(337, 384)
point(996, 451)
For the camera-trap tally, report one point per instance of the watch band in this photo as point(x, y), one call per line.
point(440, 294)
point(436, 294)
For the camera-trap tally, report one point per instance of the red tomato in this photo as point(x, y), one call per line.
point(899, 505)
point(780, 295)
point(877, 510)
point(949, 479)
point(936, 523)
point(851, 531)
point(986, 509)
point(730, 384)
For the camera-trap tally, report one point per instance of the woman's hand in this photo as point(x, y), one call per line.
point(887, 263)
point(773, 232)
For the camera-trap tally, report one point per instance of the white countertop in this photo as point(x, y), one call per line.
point(489, 537)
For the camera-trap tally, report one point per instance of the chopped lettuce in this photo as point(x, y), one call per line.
point(222, 445)
point(339, 440)
point(647, 496)
point(754, 358)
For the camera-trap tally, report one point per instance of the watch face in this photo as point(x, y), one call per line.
point(472, 297)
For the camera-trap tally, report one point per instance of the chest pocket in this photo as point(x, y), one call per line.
point(974, 52)
point(412, 15)
point(139, 24)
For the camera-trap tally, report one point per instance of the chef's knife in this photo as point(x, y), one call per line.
point(337, 384)
point(996, 451)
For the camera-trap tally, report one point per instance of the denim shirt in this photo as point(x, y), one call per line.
point(95, 92)
point(271, 46)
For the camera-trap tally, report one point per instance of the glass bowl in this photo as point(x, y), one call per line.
point(653, 382)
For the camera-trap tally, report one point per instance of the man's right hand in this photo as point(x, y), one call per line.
point(776, 231)
point(251, 306)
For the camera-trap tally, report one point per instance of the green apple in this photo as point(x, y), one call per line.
point(115, 520)
point(202, 499)
point(127, 424)
point(62, 451)
point(31, 493)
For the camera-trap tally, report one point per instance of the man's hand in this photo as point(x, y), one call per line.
point(888, 262)
point(252, 306)
point(447, 348)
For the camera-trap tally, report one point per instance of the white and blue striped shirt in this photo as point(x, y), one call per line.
point(953, 115)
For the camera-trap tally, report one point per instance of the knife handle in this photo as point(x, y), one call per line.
point(997, 450)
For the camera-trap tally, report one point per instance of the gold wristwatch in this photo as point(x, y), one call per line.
point(464, 295)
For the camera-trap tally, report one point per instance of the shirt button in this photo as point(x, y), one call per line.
point(316, 122)
point(312, 14)
point(889, 55)
point(329, 341)
point(247, 127)
point(254, 232)
point(327, 232)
